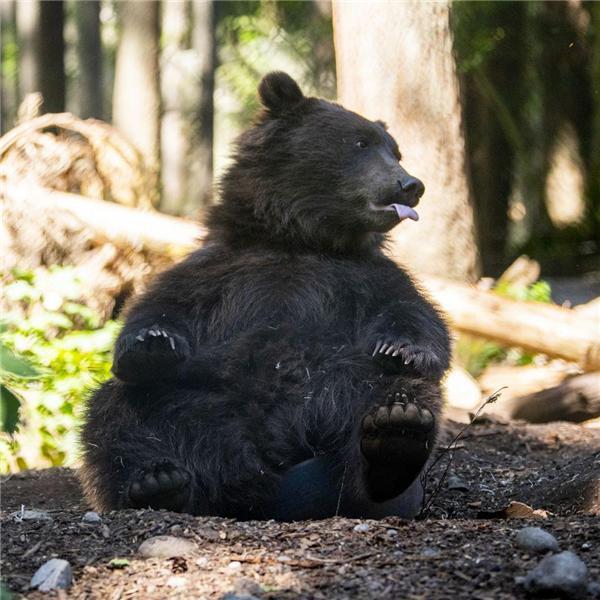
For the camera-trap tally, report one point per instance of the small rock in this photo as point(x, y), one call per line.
point(392, 532)
point(536, 539)
point(176, 581)
point(456, 483)
point(52, 575)
point(234, 596)
point(247, 587)
point(234, 565)
point(563, 575)
point(362, 527)
point(430, 552)
point(92, 517)
point(166, 546)
point(203, 562)
point(30, 515)
point(586, 546)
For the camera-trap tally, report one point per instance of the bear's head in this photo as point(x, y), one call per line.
point(312, 175)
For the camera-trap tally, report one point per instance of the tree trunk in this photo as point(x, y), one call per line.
point(401, 69)
point(177, 83)
point(89, 53)
point(52, 82)
point(9, 84)
point(28, 34)
point(201, 165)
point(136, 98)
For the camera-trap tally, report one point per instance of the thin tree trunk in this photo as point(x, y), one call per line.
point(89, 53)
point(177, 85)
point(201, 171)
point(28, 35)
point(400, 68)
point(9, 85)
point(136, 98)
point(52, 79)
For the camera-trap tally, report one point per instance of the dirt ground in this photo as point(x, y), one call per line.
point(461, 547)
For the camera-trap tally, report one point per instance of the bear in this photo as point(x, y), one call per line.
point(288, 337)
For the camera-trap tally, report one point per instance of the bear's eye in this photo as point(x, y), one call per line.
point(362, 144)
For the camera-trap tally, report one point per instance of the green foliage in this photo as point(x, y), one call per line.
point(475, 354)
point(54, 350)
point(257, 37)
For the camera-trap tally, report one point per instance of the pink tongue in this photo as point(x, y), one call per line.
point(404, 212)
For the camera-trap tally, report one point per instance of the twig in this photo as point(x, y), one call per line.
point(451, 449)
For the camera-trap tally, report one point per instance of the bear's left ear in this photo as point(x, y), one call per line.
point(279, 92)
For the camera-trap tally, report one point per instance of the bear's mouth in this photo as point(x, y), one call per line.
point(402, 210)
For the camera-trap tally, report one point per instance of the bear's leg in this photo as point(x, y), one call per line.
point(397, 438)
point(129, 464)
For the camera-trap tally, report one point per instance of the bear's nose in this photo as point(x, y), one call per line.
point(412, 189)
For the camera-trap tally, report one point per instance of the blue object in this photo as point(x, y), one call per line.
point(318, 488)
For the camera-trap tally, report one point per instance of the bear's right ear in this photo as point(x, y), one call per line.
point(279, 92)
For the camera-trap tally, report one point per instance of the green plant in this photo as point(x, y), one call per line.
point(54, 350)
point(475, 354)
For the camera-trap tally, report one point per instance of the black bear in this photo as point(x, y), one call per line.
point(288, 336)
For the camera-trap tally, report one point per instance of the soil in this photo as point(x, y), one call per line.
point(461, 547)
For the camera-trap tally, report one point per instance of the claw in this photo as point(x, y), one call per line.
point(152, 333)
point(408, 360)
point(390, 350)
point(396, 352)
point(140, 338)
point(383, 348)
point(172, 343)
point(377, 347)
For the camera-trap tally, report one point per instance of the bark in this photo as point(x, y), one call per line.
point(403, 71)
point(201, 171)
point(89, 54)
point(9, 84)
point(28, 34)
point(576, 399)
point(52, 79)
point(136, 97)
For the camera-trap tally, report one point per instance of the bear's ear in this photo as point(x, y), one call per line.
point(279, 92)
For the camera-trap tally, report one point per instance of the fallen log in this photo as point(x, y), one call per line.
point(548, 329)
point(576, 399)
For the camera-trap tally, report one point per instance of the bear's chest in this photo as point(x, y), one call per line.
point(298, 294)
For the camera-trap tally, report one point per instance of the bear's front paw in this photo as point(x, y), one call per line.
point(160, 485)
point(402, 351)
point(149, 354)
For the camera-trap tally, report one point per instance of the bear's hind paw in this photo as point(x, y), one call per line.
point(161, 485)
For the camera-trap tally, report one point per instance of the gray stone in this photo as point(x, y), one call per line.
point(594, 589)
point(234, 596)
point(456, 483)
point(362, 528)
point(30, 515)
point(52, 575)
point(563, 575)
point(536, 539)
point(91, 517)
point(166, 546)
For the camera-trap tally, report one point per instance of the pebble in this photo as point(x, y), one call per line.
point(247, 587)
point(52, 575)
point(456, 483)
point(234, 596)
point(392, 532)
point(430, 552)
point(91, 517)
point(234, 565)
point(166, 546)
point(30, 515)
point(536, 539)
point(563, 575)
point(362, 527)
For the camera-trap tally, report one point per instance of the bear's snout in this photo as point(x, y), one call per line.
point(411, 190)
